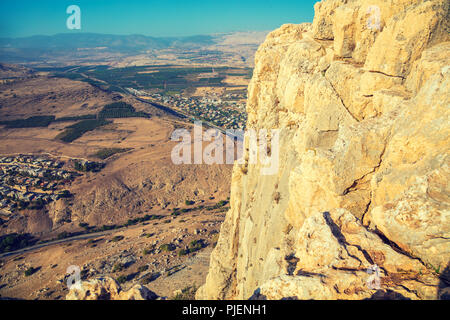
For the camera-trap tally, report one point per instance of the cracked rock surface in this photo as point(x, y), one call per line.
point(363, 174)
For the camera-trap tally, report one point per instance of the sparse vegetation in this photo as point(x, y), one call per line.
point(143, 268)
point(147, 217)
point(88, 166)
point(175, 212)
point(76, 118)
point(120, 110)
point(437, 269)
point(167, 247)
point(83, 225)
point(36, 204)
point(214, 239)
point(196, 245)
point(65, 194)
point(14, 241)
point(108, 152)
point(150, 277)
point(31, 122)
point(122, 279)
point(218, 205)
point(106, 228)
point(147, 251)
point(64, 235)
point(193, 246)
point(30, 271)
point(222, 203)
point(188, 293)
point(76, 130)
point(117, 238)
point(118, 267)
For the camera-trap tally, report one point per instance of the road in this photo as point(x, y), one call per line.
point(177, 112)
point(74, 238)
point(185, 115)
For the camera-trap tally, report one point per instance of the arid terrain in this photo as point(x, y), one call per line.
point(342, 195)
point(232, 48)
point(185, 202)
point(137, 256)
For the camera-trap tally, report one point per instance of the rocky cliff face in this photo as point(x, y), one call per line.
point(106, 288)
point(361, 97)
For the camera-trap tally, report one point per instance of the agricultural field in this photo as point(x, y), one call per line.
point(158, 78)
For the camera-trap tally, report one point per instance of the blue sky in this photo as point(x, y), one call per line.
point(21, 18)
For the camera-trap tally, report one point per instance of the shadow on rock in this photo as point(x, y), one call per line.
point(444, 284)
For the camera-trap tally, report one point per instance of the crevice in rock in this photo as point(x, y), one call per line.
point(353, 270)
point(355, 182)
point(387, 75)
point(342, 101)
point(292, 261)
point(308, 274)
point(395, 246)
point(351, 188)
point(409, 290)
point(336, 231)
point(367, 206)
point(341, 239)
point(257, 295)
point(387, 295)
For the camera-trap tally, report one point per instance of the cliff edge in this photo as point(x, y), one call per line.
point(361, 99)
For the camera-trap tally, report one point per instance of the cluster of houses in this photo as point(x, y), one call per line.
point(33, 160)
point(29, 178)
point(10, 198)
point(227, 112)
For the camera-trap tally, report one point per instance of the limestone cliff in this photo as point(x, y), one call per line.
point(106, 288)
point(361, 97)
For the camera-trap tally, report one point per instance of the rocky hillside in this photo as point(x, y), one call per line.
point(362, 102)
point(106, 288)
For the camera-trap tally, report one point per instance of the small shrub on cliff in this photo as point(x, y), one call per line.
point(175, 213)
point(143, 268)
point(117, 238)
point(147, 251)
point(118, 267)
point(30, 271)
point(84, 225)
point(122, 279)
point(167, 247)
point(188, 293)
point(214, 240)
point(276, 197)
point(64, 235)
point(196, 245)
point(221, 203)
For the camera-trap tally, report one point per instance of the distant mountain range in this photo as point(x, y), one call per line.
point(93, 40)
point(67, 46)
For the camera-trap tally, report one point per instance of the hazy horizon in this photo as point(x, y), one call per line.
point(25, 18)
point(137, 34)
